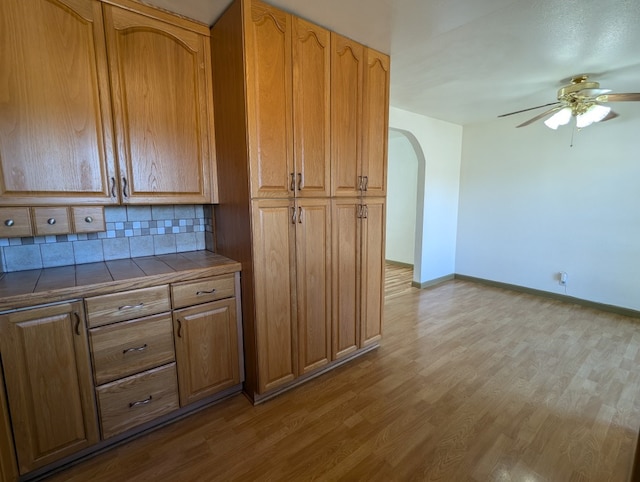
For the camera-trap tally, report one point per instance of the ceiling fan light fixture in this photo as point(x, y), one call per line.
point(560, 118)
point(595, 113)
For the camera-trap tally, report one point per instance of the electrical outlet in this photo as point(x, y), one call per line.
point(563, 278)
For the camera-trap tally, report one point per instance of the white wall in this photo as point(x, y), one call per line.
point(439, 145)
point(402, 191)
point(532, 206)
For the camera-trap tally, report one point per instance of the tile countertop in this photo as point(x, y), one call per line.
point(49, 285)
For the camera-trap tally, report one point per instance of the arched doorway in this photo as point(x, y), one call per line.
point(405, 201)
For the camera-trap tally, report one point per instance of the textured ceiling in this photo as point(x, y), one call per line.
point(468, 61)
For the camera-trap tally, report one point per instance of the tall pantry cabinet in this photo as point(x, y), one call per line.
point(279, 122)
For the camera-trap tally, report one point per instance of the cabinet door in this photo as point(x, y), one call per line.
point(206, 338)
point(313, 286)
point(8, 469)
point(160, 76)
point(345, 276)
point(311, 119)
point(268, 71)
point(347, 59)
point(375, 123)
point(55, 107)
point(372, 271)
point(274, 285)
point(48, 379)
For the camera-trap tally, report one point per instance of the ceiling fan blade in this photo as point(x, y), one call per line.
point(610, 115)
point(540, 116)
point(618, 97)
point(530, 108)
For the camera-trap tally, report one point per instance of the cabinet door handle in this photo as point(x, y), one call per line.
point(124, 187)
point(299, 181)
point(141, 402)
point(293, 215)
point(179, 327)
point(203, 292)
point(113, 187)
point(129, 307)
point(292, 186)
point(77, 317)
point(138, 348)
point(366, 183)
point(300, 215)
point(359, 211)
point(365, 211)
point(359, 183)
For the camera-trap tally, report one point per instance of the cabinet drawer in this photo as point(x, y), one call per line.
point(105, 309)
point(129, 347)
point(134, 400)
point(88, 219)
point(202, 291)
point(15, 222)
point(50, 221)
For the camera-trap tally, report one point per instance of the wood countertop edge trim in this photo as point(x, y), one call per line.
point(78, 292)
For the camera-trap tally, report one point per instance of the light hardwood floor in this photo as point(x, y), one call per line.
point(471, 383)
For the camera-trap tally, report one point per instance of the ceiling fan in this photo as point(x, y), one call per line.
point(581, 99)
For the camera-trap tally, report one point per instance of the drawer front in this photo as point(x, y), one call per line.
point(50, 221)
point(15, 222)
point(129, 347)
point(105, 309)
point(202, 291)
point(134, 400)
point(88, 219)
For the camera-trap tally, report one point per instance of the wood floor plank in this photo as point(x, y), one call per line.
point(470, 383)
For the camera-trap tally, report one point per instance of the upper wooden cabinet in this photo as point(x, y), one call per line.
point(67, 66)
point(359, 118)
point(55, 116)
point(347, 67)
point(287, 71)
point(160, 77)
point(311, 108)
point(375, 123)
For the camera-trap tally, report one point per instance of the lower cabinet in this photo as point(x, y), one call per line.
point(138, 356)
point(206, 338)
point(47, 374)
point(358, 273)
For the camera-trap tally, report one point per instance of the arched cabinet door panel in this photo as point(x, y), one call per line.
point(56, 143)
point(160, 78)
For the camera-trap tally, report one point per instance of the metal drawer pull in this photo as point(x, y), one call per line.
point(51, 221)
point(128, 307)
point(9, 222)
point(140, 402)
point(139, 348)
point(113, 187)
point(88, 219)
point(210, 292)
